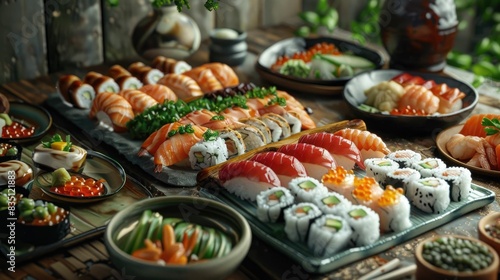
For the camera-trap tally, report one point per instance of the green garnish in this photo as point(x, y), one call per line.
point(210, 135)
point(56, 138)
point(218, 118)
point(277, 100)
point(491, 126)
point(296, 68)
point(188, 128)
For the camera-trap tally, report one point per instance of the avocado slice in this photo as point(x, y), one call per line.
point(357, 213)
point(333, 224)
point(331, 200)
point(307, 185)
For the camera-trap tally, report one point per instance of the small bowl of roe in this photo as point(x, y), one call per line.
point(489, 230)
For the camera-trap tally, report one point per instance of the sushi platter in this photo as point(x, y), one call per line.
point(277, 233)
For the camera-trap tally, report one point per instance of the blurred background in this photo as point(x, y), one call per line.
point(45, 36)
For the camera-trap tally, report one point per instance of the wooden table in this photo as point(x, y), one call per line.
point(90, 260)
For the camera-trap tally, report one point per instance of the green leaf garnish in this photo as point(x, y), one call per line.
point(210, 135)
point(491, 126)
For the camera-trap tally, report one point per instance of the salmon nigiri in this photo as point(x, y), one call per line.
point(286, 167)
point(205, 79)
point(224, 73)
point(316, 160)
point(159, 92)
point(343, 150)
point(198, 117)
point(473, 126)
point(183, 86)
point(175, 148)
point(117, 109)
point(369, 144)
point(151, 144)
point(139, 100)
point(248, 178)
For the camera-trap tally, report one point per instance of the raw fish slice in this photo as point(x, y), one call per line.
point(247, 179)
point(220, 123)
point(115, 107)
point(316, 160)
point(344, 151)
point(473, 127)
point(159, 92)
point(237, 113)
point(139, 100)
point(257, 103)
point(198, 117)
point(205, 79)
point(176, 148)
point(183, 86)
point(419, 98)
point(225, 74)
point(369, 144)
point(285, 166)
point(151, 144)
point(290, 100)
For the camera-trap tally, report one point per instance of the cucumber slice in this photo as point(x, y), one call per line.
point(197, 246)
point(217, 245)
point(347, 59)
point(208, 248)
point(154, 226)
point(140, 228)
point(6, 118)
point(223, 244)
point(179, 230)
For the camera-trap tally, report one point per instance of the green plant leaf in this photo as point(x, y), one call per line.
point(484, 68)
point(322, 7)
point(310, 18)
point(113, 3)
point(483, 46)
point(303, 31)
point(495, 48)
point(330, 20)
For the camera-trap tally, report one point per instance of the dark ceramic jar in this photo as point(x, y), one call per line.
point(228, 46)
point(418, 34)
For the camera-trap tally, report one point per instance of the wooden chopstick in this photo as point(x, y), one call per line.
point(398, 273)
point(392, 264)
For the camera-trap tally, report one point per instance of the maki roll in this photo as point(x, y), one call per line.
point(427, 167)
point(101, 83)
point(393, 209)
point(74, 91)
point(124, 78)
point(339, 180)
point(234, 142)
point(306, 188)
point(298, 220)
point(170, 65)
point(278, 125)
point(209, 151)
point(366, 191)
point(332, 203)
point(405, 158)
point(379, 167)
point(328, 235)
point(401, 177)
point(459, 179)
point(252, 137)
point(365, 225)
point(261, 126)
point(431, 194)
point(146, 74)
point(271, 204)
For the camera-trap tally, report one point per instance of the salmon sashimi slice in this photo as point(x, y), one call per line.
point(369, 144)
point(183, 86)
point(205, 79)
point(198, 117)
point(176, 148)
point(115, 107)
point(139, 100)
point(151, 144)
point(224, 73)
point(237, 113)
point(316, 160)
point(247, 179)
point(290, 100)
point(160, 93)
point(473, 126)
point(344, 151)
point(285, 166)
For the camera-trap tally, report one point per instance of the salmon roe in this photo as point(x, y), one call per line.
point(17, 130)
point(363, 188)
point(336, 176)
point(390, 197)
point(306, 56)
point(408, 111)
point(81, 187)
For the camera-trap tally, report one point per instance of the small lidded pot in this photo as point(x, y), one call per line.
point(228, 46)
point(57, 153)
point(455, 257)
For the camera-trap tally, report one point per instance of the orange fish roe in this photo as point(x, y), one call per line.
point(79, 186)
point(364, 188)
point(336, 176)
point(390, 197)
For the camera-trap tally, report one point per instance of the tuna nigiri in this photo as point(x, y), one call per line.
point(316, 160)
point(112, 109)
point(183, 86)
point(159, 92)
point(369, 144)
point(247, 179)
point(344, 151)
point(285, 166)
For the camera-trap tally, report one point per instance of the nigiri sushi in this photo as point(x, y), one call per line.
point(316, 160)
point(160, 93)
point(224, 73)
point(139, 100)
point(183, 86)
point(116, 110)
point(369, 144)
point(155, 139)
point(286, 167)
point(419, 98)
point(247, 179)
point(344, 151)
point(205, 79)
point(198, 117)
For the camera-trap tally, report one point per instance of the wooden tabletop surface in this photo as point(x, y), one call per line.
point(90, 260)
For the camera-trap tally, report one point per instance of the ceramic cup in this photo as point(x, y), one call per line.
point(228, 46)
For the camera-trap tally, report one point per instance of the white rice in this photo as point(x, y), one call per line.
point(325, 240)
point(297, 224)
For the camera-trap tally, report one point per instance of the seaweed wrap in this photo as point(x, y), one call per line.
point(431, 194)
point(459, 179)
point(405, 158)
point(272, 203)
point(328, 235)
point(379, 167)
point(401, 177)
point(298, 220)
point(146, 74)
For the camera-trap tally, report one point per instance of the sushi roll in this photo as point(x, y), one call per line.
point(430, 194)
point(401, 177)
point(316, 160)
point(261, 126)
point(332, 203)
point(252, 137)
point(75, 92)
point(379, 167)
point(246, 179)
point(271, 204)
point(209, 151)
point(328, 235)
point(124, 78)
point(287, 167)
point(365, 225)
point(298, 220)
point(405, 158)
point(101, 83)
point(234, 142)
point(459, 179)
point(366, 191)
point(278, 125)
point(293, 120)
point(170, 65)
point(393, 209)
point(305, 189)
point(339, 180)
point(146, 74)
point(427, 167)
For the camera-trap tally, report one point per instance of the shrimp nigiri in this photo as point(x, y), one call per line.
point(117, 109)
point(248, 178)
point(286, 167)
point(369, 144)
point(316, 160)
point(419, 98)
point(343, 150)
